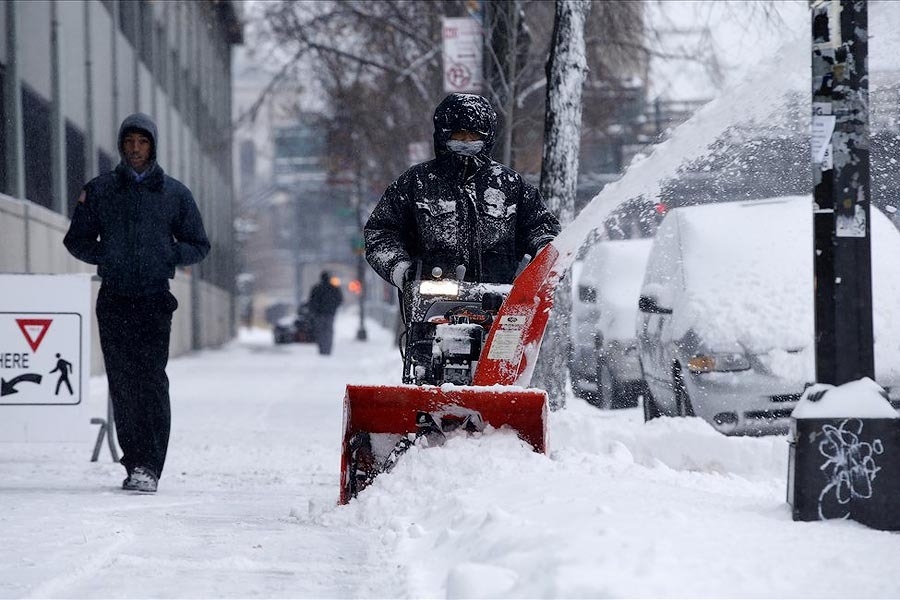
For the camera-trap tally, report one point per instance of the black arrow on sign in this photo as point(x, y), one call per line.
point(9, 387)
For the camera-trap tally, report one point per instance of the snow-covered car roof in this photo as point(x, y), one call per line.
point(748, 273)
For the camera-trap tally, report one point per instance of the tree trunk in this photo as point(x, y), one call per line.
point(566, 69)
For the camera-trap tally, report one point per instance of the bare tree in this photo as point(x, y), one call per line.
point(378, 63)
point(566, 71)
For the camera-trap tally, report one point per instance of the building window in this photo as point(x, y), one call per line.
point(104, 162)
point(36, 130)
point(128, 20)
point(247, 164)
point(75, 166)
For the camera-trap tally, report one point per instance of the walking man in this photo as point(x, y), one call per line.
point(137, 224)
point(324, 300)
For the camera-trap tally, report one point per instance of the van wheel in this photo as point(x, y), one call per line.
point(651, 410)
point(683, 405)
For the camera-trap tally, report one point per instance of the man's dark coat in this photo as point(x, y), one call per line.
point(459, 210)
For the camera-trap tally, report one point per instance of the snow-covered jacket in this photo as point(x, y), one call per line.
point(136, 232)
point(459, 210)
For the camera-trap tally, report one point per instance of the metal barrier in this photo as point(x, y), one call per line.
point(107, 429)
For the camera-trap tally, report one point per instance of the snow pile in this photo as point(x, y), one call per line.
point(863, 399)
point(618, 508)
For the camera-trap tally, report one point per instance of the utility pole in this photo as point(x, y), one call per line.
point(361, 333)
point(843, 461)
point(840, 146)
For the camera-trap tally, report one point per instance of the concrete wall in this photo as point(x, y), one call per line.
point(31, 242)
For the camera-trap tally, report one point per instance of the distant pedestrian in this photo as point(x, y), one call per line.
point(63, 367)
point(324, 300)
point(137, 224)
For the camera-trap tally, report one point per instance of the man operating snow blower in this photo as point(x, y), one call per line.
point(454, 224)
point(451, 234)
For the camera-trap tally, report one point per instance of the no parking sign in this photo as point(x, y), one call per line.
point(45, 357)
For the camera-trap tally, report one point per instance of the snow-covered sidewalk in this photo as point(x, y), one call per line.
point(247, 505)
point(256, 433)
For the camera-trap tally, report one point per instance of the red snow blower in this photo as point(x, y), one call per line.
point(469, 354)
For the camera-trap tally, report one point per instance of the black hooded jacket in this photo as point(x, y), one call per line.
point(459, 210)
point(136, 232)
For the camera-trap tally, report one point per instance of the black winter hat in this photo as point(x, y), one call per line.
point(465, 112)
point(140, 123)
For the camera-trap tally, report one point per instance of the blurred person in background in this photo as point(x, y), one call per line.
point(324, 300)
point(137, 224)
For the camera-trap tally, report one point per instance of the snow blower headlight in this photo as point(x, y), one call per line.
point(439, 288)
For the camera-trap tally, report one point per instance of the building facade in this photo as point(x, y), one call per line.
point(70, 71)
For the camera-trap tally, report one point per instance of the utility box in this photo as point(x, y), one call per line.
point(846, 467)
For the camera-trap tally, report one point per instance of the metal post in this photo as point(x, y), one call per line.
point(90, 144)
point(843, 289)
point(361, 333)
point(114, 69)
point(136, 58)
point(57, 115)
point(13, 130)
point(840, 145)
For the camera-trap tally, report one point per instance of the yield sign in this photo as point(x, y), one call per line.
point(34, 330)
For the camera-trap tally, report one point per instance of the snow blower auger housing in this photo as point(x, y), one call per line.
point(466, 365)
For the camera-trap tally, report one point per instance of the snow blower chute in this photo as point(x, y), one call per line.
point(469, 356)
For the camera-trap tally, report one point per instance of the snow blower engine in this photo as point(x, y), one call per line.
point(447, 321)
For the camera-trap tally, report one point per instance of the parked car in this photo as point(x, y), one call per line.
point(726, 328)
point(297, 329)
point(604, 364)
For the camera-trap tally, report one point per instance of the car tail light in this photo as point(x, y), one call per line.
point(705, 363)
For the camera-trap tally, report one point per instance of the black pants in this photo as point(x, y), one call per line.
point(134, 336)
point(323, 326)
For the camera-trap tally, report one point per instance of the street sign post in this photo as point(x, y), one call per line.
point(45, 358)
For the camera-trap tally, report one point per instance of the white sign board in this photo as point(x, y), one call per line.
point(45, 358)
point(463, 50)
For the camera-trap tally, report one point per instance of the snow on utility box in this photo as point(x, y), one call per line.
point(45, 358)
point(845, 456)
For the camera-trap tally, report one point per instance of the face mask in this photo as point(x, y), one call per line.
point(465, 148)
